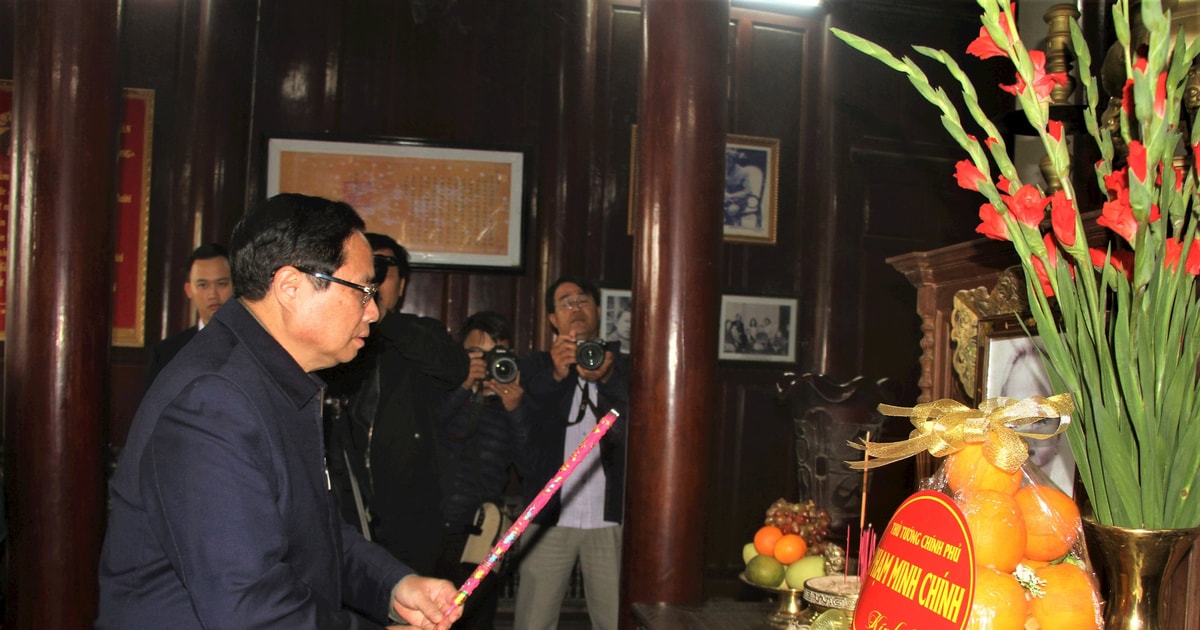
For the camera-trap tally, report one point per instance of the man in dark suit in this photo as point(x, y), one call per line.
point(208, 285)
point(222, 515)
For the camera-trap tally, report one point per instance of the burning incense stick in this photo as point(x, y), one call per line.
point(535, 506)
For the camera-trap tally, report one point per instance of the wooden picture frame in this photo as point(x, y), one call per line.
point(135, 158)
point(1010, 364)
point(751, 207)
point(616, 317)
point(450, 206)
point(758, 328)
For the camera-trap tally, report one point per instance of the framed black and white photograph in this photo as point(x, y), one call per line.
point(756, 328)
point(751, 188)
point(448, 205)
point(1010, 365)
point(616, 317)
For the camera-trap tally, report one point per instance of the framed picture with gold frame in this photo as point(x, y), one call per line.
point(751, 206)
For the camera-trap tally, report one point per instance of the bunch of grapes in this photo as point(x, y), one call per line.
point(806, 519)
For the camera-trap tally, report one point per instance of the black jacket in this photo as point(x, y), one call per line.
point(547, 405)
point(162, 352)
point(478, 439)
point(381, 415)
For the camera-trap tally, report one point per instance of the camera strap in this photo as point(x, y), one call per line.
point(585, 401)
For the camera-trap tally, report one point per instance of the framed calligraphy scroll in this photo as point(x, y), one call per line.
point(449, 206)
point(133, 206)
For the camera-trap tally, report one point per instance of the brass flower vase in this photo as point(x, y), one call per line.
point(1136, 564)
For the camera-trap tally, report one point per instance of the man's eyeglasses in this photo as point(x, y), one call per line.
point(368, 292)
point(576, 302)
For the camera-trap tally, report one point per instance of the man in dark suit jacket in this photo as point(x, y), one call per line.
point(208, 285)
point(222, 515)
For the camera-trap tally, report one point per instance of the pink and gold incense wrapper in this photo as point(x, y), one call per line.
point(535, 506)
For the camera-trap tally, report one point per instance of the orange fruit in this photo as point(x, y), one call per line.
point(1034, 564)
point(967, 469)
point(1051, 522)
point(997, 528)
point(999, 602)
point(1069, 601)
point(765, 539)
point(790, 548)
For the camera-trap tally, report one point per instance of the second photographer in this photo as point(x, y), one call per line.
point(483, 431)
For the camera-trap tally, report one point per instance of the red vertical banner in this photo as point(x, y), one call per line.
point(133, 220)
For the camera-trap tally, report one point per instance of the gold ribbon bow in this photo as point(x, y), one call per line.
point(945, 426)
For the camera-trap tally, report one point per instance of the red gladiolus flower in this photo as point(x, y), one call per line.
point(1117, 183)
point(984, 46)
point(1055, 128)
point(1027, 206)
point(1117, 215)
point(1043, 278)
point(1062, 218)
point(992, 224)
point(1121, 260)
point(1137, 160)
point(1039, 267)
point(1192, 264)
point(1127, 97)
point(1003, 183)
point(1171, 257)
point(1196, 155)
point(968, 175)
point(1042, 82)
point(1179, 176)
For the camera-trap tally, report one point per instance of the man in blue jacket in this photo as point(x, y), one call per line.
point(222, 515)
point(582, 521)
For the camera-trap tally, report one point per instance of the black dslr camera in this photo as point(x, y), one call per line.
point(589, 353)
point(500, 365)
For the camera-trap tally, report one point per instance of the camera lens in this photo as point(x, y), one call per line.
point(501, 365)
point(589, 354)
point(504, 370)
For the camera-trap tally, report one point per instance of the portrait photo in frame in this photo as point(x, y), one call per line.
point(1010, 365)
point(758, 328)
point(449, 205)
point(616, 317)
point(751, 188)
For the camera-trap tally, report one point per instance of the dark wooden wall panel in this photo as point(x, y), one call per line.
point(893, 180)
point(753, 454)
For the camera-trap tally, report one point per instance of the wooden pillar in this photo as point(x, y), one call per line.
point(208, 194)
point(65, 139)
point(677, 240)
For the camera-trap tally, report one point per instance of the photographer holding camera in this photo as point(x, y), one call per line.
point(482, 431)
point(567, 390)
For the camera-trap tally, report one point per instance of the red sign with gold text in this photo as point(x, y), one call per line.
point(923, 572)
point(133, 206)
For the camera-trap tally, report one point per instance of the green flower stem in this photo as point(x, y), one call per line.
point(1127, 349)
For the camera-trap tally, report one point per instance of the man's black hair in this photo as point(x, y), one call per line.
point(588, 287)
point(492, 323)
point(383, 241)
point(207, 251)
point(289, 229)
